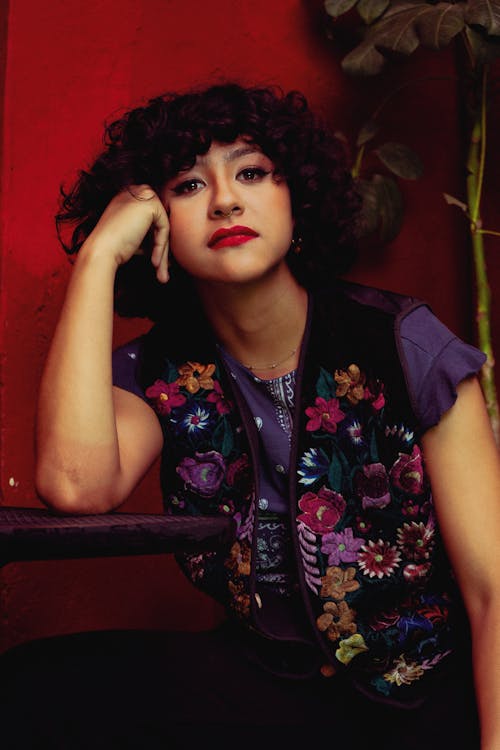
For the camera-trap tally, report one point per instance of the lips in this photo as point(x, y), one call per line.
point(227, 236)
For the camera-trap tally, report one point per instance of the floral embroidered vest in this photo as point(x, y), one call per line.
point(374, 576)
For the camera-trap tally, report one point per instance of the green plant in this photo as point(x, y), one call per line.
point(390, 30)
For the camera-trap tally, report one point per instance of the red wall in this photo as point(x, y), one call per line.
point(68, 67)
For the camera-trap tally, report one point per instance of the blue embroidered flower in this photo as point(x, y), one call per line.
point(195, 419)
point(312, 466)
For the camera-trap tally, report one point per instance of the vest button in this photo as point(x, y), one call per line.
point(263, 503)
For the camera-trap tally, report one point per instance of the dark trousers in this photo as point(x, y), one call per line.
point(130, 690)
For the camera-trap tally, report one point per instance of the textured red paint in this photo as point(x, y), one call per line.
point(70, 66)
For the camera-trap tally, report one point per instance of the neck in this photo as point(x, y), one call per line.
point(260, 325)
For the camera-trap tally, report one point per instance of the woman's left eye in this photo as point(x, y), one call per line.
point(252, 174)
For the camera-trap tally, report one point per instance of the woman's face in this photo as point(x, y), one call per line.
point(230, 216)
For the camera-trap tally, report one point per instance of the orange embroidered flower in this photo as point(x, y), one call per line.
point(194, 376)
point(350, 383)
point(337, 582)
point(336, 620)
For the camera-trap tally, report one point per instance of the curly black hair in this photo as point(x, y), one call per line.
point(152, 143)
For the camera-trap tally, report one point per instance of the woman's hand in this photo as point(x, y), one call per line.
point(122, 228)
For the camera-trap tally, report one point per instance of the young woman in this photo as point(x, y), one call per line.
point(342, 427)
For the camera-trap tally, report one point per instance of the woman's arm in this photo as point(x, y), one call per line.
point(464, 469)
point(94, 442)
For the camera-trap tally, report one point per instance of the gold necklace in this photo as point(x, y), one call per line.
point(272, 365)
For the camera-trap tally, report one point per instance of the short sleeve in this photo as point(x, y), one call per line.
point(125, 361)
point(436, 362)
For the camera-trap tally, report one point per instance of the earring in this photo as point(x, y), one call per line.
point(296, 245)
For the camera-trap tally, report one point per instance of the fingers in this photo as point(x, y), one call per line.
point(159, 255)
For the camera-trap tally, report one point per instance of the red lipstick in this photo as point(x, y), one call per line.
point(230, 236)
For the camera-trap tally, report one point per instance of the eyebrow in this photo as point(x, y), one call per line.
point(242, 151)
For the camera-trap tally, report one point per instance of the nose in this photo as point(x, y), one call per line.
point(225, 201)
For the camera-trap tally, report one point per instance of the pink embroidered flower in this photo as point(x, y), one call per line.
point(413, 572)
point(165, 395)
point(377, 399)
point(217, 397)
point(324, 415)
point(321, 512)
point(341, 546)
point(378, 559)
point(371, 484)
point(363, 525)
point(226, 507)
point(238, 471)
point(415, 541)
point(384, 620)
point(407, 472)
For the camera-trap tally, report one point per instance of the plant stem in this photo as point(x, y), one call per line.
point(475, 169)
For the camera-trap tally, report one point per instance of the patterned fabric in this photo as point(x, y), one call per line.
point(381, 594)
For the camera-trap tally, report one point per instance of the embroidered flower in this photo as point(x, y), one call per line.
point(371, 484)
point(217, 397)
point(407, 472)
point(321, 511)
point(415, 540)
point(375, 396)
point(415, 572)
point(384, 620)
point(403, 672)
point(404, 434)
point(336, 583)
point(204, 473)
point(341, 546)
point(355, 433)
point(378, 559)
point(239, 559)
point(195, 566)
point(227, 507)
point(351, 647)
point(410, 508)
point(238, 471)
point(350, 383)
point(165, 395)
point(363, 525)
point(194, 376)
point(195, 419)
point(240, 600)
point(324, 415)
point(336, 620)
point(312, 466)
point(435, 611)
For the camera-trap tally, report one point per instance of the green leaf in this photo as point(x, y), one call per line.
point(485, 13)
point(400, 160)
point(451, 201)
point(382, 207)
point(401, 29)
point(390, 205)
point(336, 8)
point(325, 385)
point(485, 49)
point(437, 27)
point(368, 131)
point(370, 10)
point(363, 60)
point(335, 474)
point(223, 438)
point(370, 215)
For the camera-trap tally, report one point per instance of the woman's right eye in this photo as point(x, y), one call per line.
point(187, 186)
